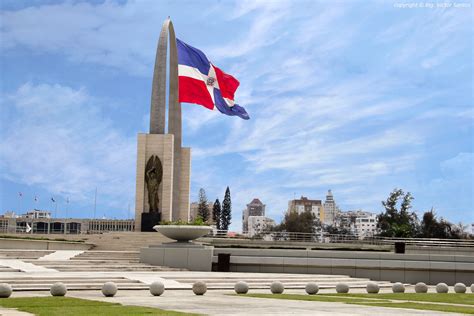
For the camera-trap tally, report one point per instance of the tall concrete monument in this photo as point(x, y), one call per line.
point(163, 165)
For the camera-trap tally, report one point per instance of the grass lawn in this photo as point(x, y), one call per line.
point(68, 306)
point(450, 298)
point(415, 300)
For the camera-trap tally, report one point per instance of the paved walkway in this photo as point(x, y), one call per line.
point(218, 303)
point(13, 312)
point(61, 255)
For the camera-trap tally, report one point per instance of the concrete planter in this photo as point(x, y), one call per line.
point(182, 233)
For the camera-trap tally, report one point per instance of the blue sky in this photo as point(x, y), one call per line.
point(355, 96)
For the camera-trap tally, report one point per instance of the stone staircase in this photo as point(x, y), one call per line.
point(8, 269)
point(106, 261)
point(23, 254)
point(125, 241)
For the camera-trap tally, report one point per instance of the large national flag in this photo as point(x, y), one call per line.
point(203, 83)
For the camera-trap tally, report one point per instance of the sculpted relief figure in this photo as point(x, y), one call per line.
point(153, 177)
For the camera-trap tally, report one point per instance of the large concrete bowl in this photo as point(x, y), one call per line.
point(182, 233)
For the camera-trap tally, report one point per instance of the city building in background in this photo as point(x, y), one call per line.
point(258, 224)
point(41, 222)
point(254, 208)
point(304, 204)
point(330, 210)
point(366, 225)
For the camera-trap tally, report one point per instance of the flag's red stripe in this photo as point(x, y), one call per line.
point(194, 91)
point(227, 83)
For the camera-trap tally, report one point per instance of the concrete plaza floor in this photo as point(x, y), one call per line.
point(32, 274)
point(219, 302)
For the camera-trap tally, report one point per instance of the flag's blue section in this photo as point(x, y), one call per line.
point(193, 57)
point(235, 110)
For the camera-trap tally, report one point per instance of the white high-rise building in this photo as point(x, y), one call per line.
point(366, 225)
point(258, 224)
point(330, 209)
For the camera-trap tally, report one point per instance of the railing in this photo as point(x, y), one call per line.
point(337, 238)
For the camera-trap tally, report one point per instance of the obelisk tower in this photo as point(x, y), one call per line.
point(163, 166)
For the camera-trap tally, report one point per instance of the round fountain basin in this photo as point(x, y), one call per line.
point(182, 233)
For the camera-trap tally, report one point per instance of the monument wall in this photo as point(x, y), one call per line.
point(160, 145)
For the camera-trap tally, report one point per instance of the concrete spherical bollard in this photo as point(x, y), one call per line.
point(472, 288)
point(372, 288)
point(459, 288)
point(442, 288)
point(311, 288)
point(58, 289)
point(342, 288)
point(5, 290)
point(199, 288)
point(241, 287)
point(421, 287)
point(398, 287)
point(277, 287)
point(109, 289)
point(157, 288)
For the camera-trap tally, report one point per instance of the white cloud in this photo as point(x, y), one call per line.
point(121, 36)
point(60, 140)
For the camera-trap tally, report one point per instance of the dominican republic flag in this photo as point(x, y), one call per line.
point(203, 83)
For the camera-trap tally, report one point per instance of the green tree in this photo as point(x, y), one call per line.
point(432, 227)
point(203, 207)
point(226, 213)
point(396, 222)
point(305, 222)
point(216, 214)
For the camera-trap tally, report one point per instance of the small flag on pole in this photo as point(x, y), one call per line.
point(53, 200)
point(20, 194)
point(36, 198)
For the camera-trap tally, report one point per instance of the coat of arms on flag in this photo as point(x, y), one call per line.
point(201, 82)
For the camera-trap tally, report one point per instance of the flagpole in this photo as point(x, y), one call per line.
point(20, 195)
point(95, 201)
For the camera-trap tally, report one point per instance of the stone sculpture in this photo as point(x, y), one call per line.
point(153, 177)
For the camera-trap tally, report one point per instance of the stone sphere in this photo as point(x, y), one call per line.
point(199, 288)
point(277, 287)
point(241, 287)
point(109, 289)
point(311, 288)
point(58, 289)
point(372, 288)
point(5, 290)
point(398, 288)
point(472, 288)
point(459, 288)
point(157, 288)
point(342, 288)
point(421, 287)
point(442, 288)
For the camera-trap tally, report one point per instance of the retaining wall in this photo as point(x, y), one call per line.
point(408, 268)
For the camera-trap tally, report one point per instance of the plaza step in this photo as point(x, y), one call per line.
point(23, 254)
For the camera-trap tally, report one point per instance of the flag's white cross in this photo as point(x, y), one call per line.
point(210, 80)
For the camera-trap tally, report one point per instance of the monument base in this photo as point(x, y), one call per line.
point(189, 256)
point(149, 220)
